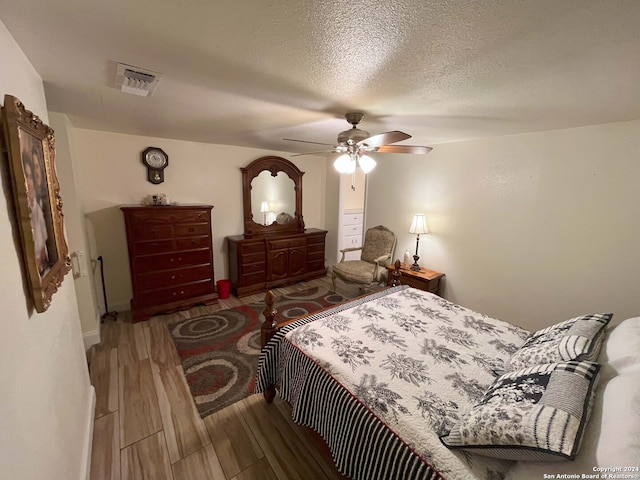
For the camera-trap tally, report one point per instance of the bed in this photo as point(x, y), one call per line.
point(404, 384)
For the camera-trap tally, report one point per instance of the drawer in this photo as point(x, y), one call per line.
point(151, 232)
point(166, 278)
point(315, 265)
point(153, 246)
point(315, 247)
point(244, 248)
point(192, 242)
point(193, 229)
point(158, 216)
point(252, 258)
point(353, 241)
point(167, 261)
point(422, 284)
point(352, 230)
point(315, 239)
point(253, 268)
point(288, 243)
point(352, 219)
point(252, 279)
point(174, 294)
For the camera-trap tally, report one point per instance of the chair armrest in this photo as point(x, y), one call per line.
point(381, 258)
point(350, 249)
point(379, 266)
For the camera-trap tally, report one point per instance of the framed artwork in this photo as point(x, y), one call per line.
point(30, 147)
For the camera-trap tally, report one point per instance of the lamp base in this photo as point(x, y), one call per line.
point(415, 267)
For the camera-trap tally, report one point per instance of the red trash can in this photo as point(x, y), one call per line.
point(224, 288)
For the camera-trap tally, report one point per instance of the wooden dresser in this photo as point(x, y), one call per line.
point(258, 264)
point(171, 258)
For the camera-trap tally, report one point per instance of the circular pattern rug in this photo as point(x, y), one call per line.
point(220, 351)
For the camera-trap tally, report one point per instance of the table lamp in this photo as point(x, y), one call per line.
point(418, 226)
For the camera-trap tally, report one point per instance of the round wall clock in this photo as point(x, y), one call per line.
point(156, 160)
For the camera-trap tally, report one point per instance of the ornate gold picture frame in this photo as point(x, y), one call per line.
point(30, 147)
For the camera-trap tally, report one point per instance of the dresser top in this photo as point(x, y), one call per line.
point(307, 231)
point(161, 207)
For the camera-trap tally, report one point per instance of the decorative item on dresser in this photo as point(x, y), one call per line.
point(284, 251)
point(171, 259)
point(425, 279)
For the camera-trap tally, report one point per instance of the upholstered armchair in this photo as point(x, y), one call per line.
point(377, 252)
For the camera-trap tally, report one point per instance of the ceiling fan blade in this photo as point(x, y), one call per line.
point(312, 153)
point(385, 138)
point(307, 141)
point(403, 149)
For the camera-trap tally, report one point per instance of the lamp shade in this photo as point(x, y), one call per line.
point(345, 164)
point(419, 224)
point(366, 163)
point(264, 207)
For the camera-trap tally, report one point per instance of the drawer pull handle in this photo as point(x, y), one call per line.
point(191, 229)
point(173, 277)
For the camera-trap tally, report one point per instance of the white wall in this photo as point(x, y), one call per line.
point(532, 229)
point(46, 399)
point(84, 271)
point(109, 173)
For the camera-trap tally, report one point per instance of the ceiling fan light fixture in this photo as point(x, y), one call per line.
point(366, 163)
point(345, 164)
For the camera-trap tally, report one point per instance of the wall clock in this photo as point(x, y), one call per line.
point(156, 160)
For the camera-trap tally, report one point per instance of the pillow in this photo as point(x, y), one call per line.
point(611, 438)
point(622, 348)
point(534, 414)
point(579, 338)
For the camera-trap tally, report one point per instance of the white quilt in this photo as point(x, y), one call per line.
point(418, 362)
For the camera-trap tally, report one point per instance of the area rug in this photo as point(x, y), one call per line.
point(220, 351)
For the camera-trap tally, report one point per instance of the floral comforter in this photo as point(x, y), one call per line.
point(381, 378)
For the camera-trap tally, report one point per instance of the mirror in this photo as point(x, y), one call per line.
point(272, 197)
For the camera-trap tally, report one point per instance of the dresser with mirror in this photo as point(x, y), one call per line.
point(276, 249)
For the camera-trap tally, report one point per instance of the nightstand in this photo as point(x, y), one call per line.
point(425, 279)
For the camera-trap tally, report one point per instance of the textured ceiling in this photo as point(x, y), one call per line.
point(251, 72)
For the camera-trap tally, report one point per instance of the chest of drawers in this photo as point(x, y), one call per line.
point(170, 257)
point(257, 264)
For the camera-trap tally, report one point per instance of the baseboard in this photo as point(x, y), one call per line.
point(120, 307)
point(85, 468)
point(91, 338)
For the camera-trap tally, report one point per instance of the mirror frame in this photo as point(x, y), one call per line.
point(274, 165)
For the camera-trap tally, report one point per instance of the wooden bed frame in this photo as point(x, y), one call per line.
point(271, 326)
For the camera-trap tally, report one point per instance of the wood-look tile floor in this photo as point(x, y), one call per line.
point(147, 426)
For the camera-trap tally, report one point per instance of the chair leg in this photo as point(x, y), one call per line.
point(333, 281)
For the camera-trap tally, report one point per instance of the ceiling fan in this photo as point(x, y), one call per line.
point(355, 143)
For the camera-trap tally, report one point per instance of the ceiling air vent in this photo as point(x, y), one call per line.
point(136, 81)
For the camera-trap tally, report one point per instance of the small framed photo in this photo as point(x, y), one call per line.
point(30, 147)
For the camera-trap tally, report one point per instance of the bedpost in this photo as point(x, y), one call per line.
point(270, 325)
point(268, 330)
point(395, 276)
